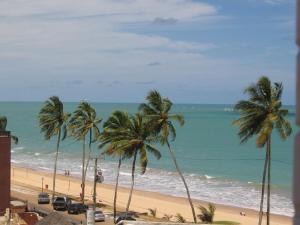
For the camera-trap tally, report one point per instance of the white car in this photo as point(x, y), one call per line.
point(99, 216)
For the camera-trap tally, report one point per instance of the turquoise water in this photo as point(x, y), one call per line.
point(217, 167)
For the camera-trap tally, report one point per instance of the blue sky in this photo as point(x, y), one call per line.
point(117, 50)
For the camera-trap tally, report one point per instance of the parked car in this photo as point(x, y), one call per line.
point(77, 208)
point(120, 219)
point(61, 203)
point(43, 198)
point(99, 216)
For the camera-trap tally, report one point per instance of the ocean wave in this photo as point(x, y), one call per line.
point(18, 148)
point(125, 174)
point(208, 177)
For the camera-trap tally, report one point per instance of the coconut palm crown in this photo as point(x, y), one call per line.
point(158, 112)
point(262, 113)
point(84, 121)
point(52, 119)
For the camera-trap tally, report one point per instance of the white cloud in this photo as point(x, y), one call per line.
point(57, 33)
point(274, 2)
point(114, 10)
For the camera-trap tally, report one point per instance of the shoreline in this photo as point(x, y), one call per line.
point(141, 200)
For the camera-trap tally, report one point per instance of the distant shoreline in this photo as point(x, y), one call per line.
point(133, 103)
point(142, 200)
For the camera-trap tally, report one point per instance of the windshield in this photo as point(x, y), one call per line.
point(43, 195)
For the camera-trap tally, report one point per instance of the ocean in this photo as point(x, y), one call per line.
point(217, 167)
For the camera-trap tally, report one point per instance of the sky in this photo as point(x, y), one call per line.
point(193, 51)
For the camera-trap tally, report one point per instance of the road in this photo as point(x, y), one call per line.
point(30, 195)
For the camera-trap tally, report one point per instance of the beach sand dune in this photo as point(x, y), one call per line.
point(141, 201)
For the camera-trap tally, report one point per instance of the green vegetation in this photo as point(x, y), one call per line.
point(53, 121)
point(167, 217)
point(152, 212)
point(113, 128)
point(158, 111)
point(83, 123)
point(207, 214)
point(129, 137)
point(260, 115)
point(179, 218)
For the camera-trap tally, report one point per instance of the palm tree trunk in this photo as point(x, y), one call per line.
point(263, 187)
point(89, 156)
point(82, 175)
point(116, 189)
point(183, 180)
point(55, 163)
point(132, 182)
point(269, 181)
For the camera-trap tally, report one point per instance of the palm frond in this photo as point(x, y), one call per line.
point(3, 123)
point(207, 214)
point(179, 218)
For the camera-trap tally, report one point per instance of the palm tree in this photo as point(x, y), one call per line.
point(260, 114)
point(3, 124)
point(84, 122)
point(53, 121)
point(157, 110)
point(114, 128)
point(138, 142)
point(130, 136)
point(207, 214)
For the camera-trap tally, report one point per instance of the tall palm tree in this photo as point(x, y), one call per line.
point(132, 138)
point(53, 121)
point(83, 122)
point(114, 128)
point(139, 142)
point(260, 115)
point(157, 110)
point(3, 124)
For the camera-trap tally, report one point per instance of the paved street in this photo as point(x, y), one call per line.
point(30, 195)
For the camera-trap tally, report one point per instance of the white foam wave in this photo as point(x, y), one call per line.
point(18, 148)
point(37, 154)
point(125, 174)
point(208, 177)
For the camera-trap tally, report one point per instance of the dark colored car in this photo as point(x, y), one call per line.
point(61, 203)
point(77, 208)
point(121, 218)
point(43, 198)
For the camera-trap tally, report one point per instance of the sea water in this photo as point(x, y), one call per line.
point(216, 166)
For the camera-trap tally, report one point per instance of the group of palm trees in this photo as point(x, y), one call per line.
point(126, 136)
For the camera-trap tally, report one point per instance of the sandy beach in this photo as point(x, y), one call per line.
point(141, 201)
